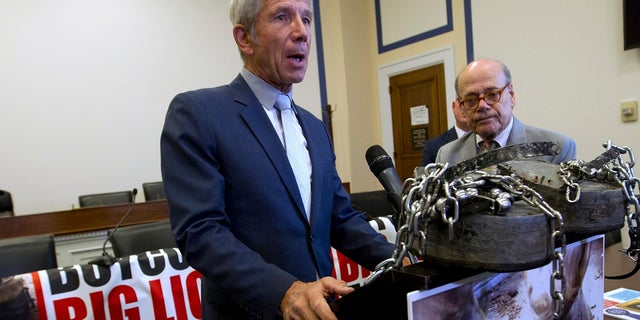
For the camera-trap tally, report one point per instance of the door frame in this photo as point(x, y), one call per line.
point(443, 55)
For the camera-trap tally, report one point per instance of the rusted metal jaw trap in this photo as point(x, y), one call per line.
point(505, 211)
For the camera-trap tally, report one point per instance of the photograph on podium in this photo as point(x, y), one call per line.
point(523, 294)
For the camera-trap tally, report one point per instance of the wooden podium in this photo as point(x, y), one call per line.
point(386, 297)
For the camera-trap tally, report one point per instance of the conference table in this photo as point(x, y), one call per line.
point(618, 263)
point(82, 219)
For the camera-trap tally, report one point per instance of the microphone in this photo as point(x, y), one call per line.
point(382, 167)
point(106, 259)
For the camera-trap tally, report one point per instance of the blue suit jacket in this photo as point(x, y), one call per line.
point(465, 147)
point(235, 208)
point(432, 146)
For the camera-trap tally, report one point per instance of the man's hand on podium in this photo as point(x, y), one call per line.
point(309, 300)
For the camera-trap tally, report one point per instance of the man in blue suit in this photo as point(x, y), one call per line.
point(459, 129)
point(487, 99)
point(234, 201)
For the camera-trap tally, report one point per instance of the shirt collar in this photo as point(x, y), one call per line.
point(266, 94)
point(460, 132)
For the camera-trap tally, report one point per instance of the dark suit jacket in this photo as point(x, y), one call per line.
point(235, 208)
point(432, 146)
point(465, 147)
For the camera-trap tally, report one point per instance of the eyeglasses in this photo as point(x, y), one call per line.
point(491, 98)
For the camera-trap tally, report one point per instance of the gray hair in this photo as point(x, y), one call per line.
point(245, 12)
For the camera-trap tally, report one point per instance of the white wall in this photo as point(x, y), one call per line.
point(85, 85)
point(569, 69)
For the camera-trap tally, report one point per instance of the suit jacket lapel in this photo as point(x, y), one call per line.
point(469, 148)
point(518, 133)
point(451, 135)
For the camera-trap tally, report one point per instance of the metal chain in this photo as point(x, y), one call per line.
point(619, 171)
point(416, 194)
point(557, 234)
point(428, 197)
point(570, 172)
point(629, 183)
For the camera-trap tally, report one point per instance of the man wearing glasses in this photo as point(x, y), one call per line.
point(486, 98)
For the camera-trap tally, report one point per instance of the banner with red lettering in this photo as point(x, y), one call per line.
point(157, 284)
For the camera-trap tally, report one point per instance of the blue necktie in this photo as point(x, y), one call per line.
point(295, 145)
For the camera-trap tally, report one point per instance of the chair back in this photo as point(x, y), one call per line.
point(105, 199)
point(27, 254)
point(139, 238)
point(373, 203)
point(6, 204)
point(153, 191)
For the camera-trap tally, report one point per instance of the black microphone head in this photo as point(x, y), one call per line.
point(134, 192)
point(378, 159)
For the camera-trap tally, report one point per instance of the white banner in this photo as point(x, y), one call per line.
point(152, 285)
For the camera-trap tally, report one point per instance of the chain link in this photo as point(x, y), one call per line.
point(619, 171)
point(557, 280)
point(629, 183)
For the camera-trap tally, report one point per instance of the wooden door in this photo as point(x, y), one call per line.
point(419, 112)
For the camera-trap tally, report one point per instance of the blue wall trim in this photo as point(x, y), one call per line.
point(468, 30)
point(322, 78)
point(449, 27)
point(425, 35)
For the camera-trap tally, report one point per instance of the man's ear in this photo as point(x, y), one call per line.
point(243, 39)
point(512, 95)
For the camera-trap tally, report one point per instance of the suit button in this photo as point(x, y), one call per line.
point(311, 238)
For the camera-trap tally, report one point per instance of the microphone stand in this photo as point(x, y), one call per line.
point(106, 259)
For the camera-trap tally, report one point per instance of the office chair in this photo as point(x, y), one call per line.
point(6, 204)
point(153, 191)
point(139, 238)
point(27, 254)
point(105, 199)
point(373, 203)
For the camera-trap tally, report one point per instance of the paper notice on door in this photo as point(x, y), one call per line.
point(419, 115)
